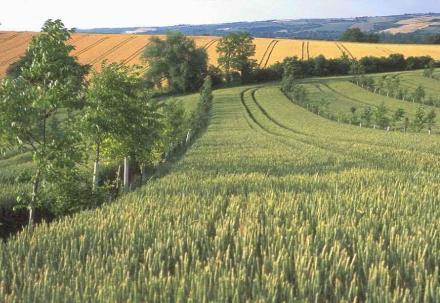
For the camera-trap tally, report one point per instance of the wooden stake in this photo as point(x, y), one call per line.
point(126, 172)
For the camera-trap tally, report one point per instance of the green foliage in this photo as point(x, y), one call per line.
point(357, 35)
point(419, 120)
point(201, 115)
point(177, 60)
point(419, 94)
point(235, 51)
point(272, 204)
point(49, 85)
point(429, 70)
point(430, 119)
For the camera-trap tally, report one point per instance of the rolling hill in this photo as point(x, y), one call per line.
point(272, 204)
point(127, 48)
point(330, 29)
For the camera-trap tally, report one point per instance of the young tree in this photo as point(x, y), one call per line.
point(175, 127)
point(420, 119)
point(367, 115)
point(419, 94)
point(381, 117)
point(235, 51)
point(177, 60)
point(49, 82)
point(406, 124)
point(357, 70)
point(200, 116)
point(430, 120)
point(429, 70)
point(398, 115)
point(118, 118)
point(353, 115)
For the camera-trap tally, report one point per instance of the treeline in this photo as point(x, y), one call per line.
point(380, 117)
point(390, 86)
point(92, 135)
point(357, 35)
point(177, 65)
point(321, 66)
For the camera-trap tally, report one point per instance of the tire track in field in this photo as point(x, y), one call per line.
point(86, 49)
point(308, 50)
point(77, 39)
point(10, 37)
point(366, 143)
point(277, 136)
point(265, 53)
point(297, 133)
point(347, 97)
point(135, 54)
point(9, 61)
point(210, 43)
point(271, 118)
point(302, 50)
point(347, 50)
point(270, 53)
point(309, 140)
point(248, 115)
point(340, 49)
point(113, 49)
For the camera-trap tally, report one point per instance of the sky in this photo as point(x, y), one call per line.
point(31, 14)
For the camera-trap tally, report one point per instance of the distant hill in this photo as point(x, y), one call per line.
point(324, 29)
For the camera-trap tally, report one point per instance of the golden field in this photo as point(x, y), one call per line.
point(94, 48)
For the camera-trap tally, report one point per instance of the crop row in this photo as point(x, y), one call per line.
point(272, 203)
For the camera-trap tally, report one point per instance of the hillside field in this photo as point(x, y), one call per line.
point(271, 204)
point(95, 48)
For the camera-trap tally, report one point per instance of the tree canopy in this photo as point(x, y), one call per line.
point(235, 51)
point(356, 35)
point(177, 60)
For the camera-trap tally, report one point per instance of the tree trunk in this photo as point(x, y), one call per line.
point(96, 168)
point(34, 198)
point(188, 137)
point(143, 173)
point(118, 178)
point(126, 174)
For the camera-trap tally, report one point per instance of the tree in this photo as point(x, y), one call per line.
point(419, 94)
point(419, 120)
point(353, 114)
point(176, 125)
point(430, 120)
point(200, 116)
point(118, 119)
point(434, 39)
point(356, 35)
point(177, 60)
point(235, 51)
point(381, 117)
point(51, 81)
point(429, 69)
point(367, 115)
point(357, 70)
point(398, 115)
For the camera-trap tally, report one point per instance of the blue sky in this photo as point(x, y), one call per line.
point(30, 14)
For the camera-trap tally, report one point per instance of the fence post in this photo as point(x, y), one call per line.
point(188, 137)
point(126, 172)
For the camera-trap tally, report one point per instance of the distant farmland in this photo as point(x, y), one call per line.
point(95, 48)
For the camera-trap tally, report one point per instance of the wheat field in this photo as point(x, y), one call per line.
point(95, 48)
